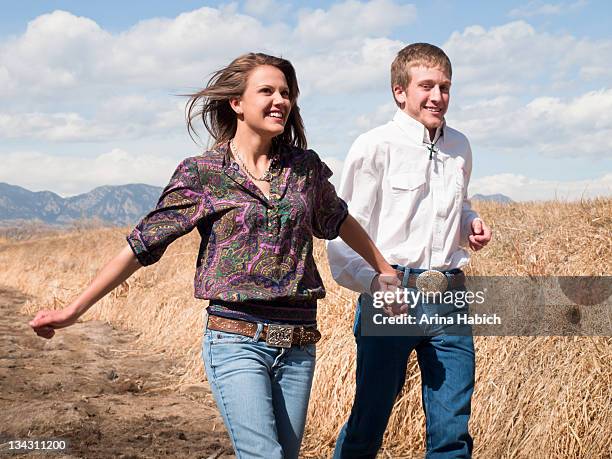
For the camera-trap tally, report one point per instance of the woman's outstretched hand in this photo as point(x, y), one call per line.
point(116, 271)
point(47, 321)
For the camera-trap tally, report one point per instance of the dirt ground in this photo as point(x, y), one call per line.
point(91, 386)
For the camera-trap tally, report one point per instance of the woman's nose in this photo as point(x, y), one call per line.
point(278, 98)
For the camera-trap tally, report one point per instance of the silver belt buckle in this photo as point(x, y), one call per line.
point(279, 335)
point(431, 281)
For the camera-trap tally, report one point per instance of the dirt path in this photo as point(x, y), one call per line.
point(90, 386)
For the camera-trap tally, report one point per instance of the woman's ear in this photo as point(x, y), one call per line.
point(236, 105)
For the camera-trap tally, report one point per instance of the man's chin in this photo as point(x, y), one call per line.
point(433, 125)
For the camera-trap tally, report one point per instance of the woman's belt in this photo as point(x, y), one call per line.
point(273, 334)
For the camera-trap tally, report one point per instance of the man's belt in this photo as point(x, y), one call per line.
point(432, 281)
point(273, 334)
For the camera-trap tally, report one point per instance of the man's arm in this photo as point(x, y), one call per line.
point(359, 187)
point(474, 231)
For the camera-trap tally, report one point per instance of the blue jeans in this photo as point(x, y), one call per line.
point(447, 373)
point(261, 391)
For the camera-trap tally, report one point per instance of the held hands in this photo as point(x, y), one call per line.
point(389, 282)
point(46, 322)
point(481, 234)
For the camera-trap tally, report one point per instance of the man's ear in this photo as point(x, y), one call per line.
point(399, 93)
point(236, 106)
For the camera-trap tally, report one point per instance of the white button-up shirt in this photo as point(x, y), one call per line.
point(414, 208)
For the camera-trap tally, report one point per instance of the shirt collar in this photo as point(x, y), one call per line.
point(415, 129)
point(280, 173)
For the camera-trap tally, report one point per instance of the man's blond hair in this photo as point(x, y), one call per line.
point(417, 54)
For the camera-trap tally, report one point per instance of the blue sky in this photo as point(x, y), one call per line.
point(88, 90)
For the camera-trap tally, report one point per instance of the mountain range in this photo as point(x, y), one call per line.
point(121, 205)
point(114, 205)
point(498, 197)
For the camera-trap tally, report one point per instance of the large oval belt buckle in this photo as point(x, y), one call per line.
point(279, 335)
point(432, 282)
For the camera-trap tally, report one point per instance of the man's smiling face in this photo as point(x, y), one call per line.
point(427, 96)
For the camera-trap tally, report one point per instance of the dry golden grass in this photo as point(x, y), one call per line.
point(544, 397)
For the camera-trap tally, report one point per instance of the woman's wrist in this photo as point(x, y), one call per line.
point(74, 311)
point(388, 271)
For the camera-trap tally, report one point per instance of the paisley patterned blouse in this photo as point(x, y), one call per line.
point(255, 260)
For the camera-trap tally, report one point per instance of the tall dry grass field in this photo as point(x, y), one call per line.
point(543, 397)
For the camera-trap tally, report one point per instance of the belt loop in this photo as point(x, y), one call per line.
point(205, 317)
point(258, 332)
point(405, 277)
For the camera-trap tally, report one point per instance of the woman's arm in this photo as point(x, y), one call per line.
point(116, 271)
point(357, 239)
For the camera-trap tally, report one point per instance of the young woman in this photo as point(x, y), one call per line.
point(257, 198)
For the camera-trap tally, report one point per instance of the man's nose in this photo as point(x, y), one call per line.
point(435, 94)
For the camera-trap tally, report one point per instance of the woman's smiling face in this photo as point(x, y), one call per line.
point(265, 104)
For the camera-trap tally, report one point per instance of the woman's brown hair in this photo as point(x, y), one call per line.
point(212, 105)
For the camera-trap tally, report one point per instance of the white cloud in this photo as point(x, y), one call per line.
point(353, 18)
point(73, 175)
point(576, 127)
point(382, 114)
point(51, 126)
point(60, 51)
point(522, 188)
point(539, 8)
point(56, 52)
point(366, 66)
point(119, 117)
point(516, 59)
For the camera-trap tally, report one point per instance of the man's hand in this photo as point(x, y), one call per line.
point(45, 322)
point(389, 283)
point(481, 234)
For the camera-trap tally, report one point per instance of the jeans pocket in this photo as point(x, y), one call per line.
point(310, 349)
point(221, 348)
point(219, 337)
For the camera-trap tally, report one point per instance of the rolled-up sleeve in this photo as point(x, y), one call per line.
point(182, 205)
point(329, 210)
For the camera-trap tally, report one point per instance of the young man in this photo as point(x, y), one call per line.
point(406, 182)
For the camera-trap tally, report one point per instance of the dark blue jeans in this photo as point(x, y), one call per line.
point(447, 373)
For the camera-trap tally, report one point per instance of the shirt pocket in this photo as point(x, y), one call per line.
point(407, 182)
point(407, 191)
